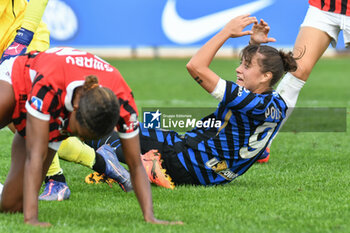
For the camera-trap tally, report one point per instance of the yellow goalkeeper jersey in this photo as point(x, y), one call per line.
point(11, 18)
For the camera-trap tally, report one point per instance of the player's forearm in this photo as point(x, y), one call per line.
point(32, 17)
point(33, 14)
point(207, 52)
point(139, 179)
point(143, 192)
point(198, 66)
point(32, 182)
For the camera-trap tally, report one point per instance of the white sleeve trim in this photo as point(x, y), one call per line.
point(70, 91)
point(219, 90)
point(37, 114)
point(129, 135)
point(6, 70)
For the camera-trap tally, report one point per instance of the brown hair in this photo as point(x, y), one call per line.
point(98, 108)
point(275, 61)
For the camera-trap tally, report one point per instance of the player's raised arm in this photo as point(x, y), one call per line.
point(31, 21)
point(198, 66)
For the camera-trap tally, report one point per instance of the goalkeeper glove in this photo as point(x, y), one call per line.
point(19, 45)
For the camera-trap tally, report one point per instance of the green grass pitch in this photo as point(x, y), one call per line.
point(304, 187)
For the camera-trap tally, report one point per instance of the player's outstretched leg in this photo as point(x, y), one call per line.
point(114, 169)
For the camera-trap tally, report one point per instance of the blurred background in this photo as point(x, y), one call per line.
point(174, 28)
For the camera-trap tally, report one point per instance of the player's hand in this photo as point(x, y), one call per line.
point(260, 32)
point(35, 222)
point(163, 222)
point(236, 26)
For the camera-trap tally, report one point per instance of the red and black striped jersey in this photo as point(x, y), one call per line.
point(336, 6)
point(44, 84)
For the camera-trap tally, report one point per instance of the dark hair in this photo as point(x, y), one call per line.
point(98, 108)
point(275, 61)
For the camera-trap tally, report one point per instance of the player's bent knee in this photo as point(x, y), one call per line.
point(11, 206)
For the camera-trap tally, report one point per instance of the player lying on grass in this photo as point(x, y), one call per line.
point(206, 156)
point(51, 95)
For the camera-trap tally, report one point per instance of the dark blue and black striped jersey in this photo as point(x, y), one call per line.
point(248, 123)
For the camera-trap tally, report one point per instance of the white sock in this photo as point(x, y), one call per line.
point(289, 89)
